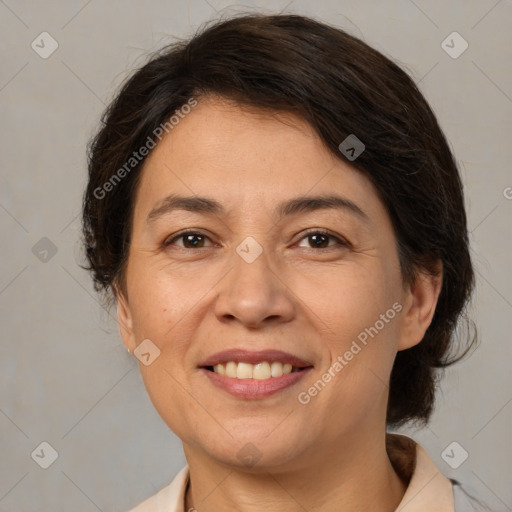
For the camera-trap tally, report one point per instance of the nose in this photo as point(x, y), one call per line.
point(254, 294)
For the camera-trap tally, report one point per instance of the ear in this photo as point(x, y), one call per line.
point(125, 322)
point(420, 303)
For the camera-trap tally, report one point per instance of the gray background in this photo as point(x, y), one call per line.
point(65, 377)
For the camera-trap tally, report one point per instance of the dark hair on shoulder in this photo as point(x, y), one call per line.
point(340, 86)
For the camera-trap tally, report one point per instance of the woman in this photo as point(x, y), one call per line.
point(281, 223)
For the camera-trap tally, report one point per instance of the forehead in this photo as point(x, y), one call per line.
point(247, 158)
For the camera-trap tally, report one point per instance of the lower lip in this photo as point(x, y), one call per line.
point(252, 389)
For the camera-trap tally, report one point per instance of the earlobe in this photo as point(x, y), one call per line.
point(125, 323)
point(420, 306)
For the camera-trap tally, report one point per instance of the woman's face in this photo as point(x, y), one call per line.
point(258, 275)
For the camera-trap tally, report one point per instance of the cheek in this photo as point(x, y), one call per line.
point(358, 318)
point(158, 303)
point(167, 392)
point(159, 310)
point(349, 302)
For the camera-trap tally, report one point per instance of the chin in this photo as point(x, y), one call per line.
point(257, 449)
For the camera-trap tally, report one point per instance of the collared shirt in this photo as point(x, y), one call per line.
point(427, 491)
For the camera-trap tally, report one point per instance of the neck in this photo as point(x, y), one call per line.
point(358, 476)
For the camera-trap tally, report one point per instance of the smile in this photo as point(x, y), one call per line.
point(253, 375)
point(260, 371)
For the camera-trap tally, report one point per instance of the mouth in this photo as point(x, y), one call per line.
point(252, 375)
point(260, 371)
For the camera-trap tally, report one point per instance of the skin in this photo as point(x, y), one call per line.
point(313, 302)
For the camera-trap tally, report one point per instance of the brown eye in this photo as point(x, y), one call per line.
point(191, 240)
point(319, 239)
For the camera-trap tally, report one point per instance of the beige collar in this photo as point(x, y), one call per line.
point(428, 489)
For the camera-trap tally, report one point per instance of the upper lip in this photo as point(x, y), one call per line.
point(254, 357)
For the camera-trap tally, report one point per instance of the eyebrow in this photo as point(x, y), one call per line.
point(302, 204)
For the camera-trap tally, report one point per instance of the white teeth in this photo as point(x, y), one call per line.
point(220, 369)
point(244, 371)
point(231, 369)
point(276, 369)
point(260, 371)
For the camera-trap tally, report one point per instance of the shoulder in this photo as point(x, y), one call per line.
point(168, 499)
point(427, 487)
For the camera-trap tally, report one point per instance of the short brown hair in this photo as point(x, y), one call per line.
point(340, 86)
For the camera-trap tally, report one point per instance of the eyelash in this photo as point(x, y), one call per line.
point(314, 231)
